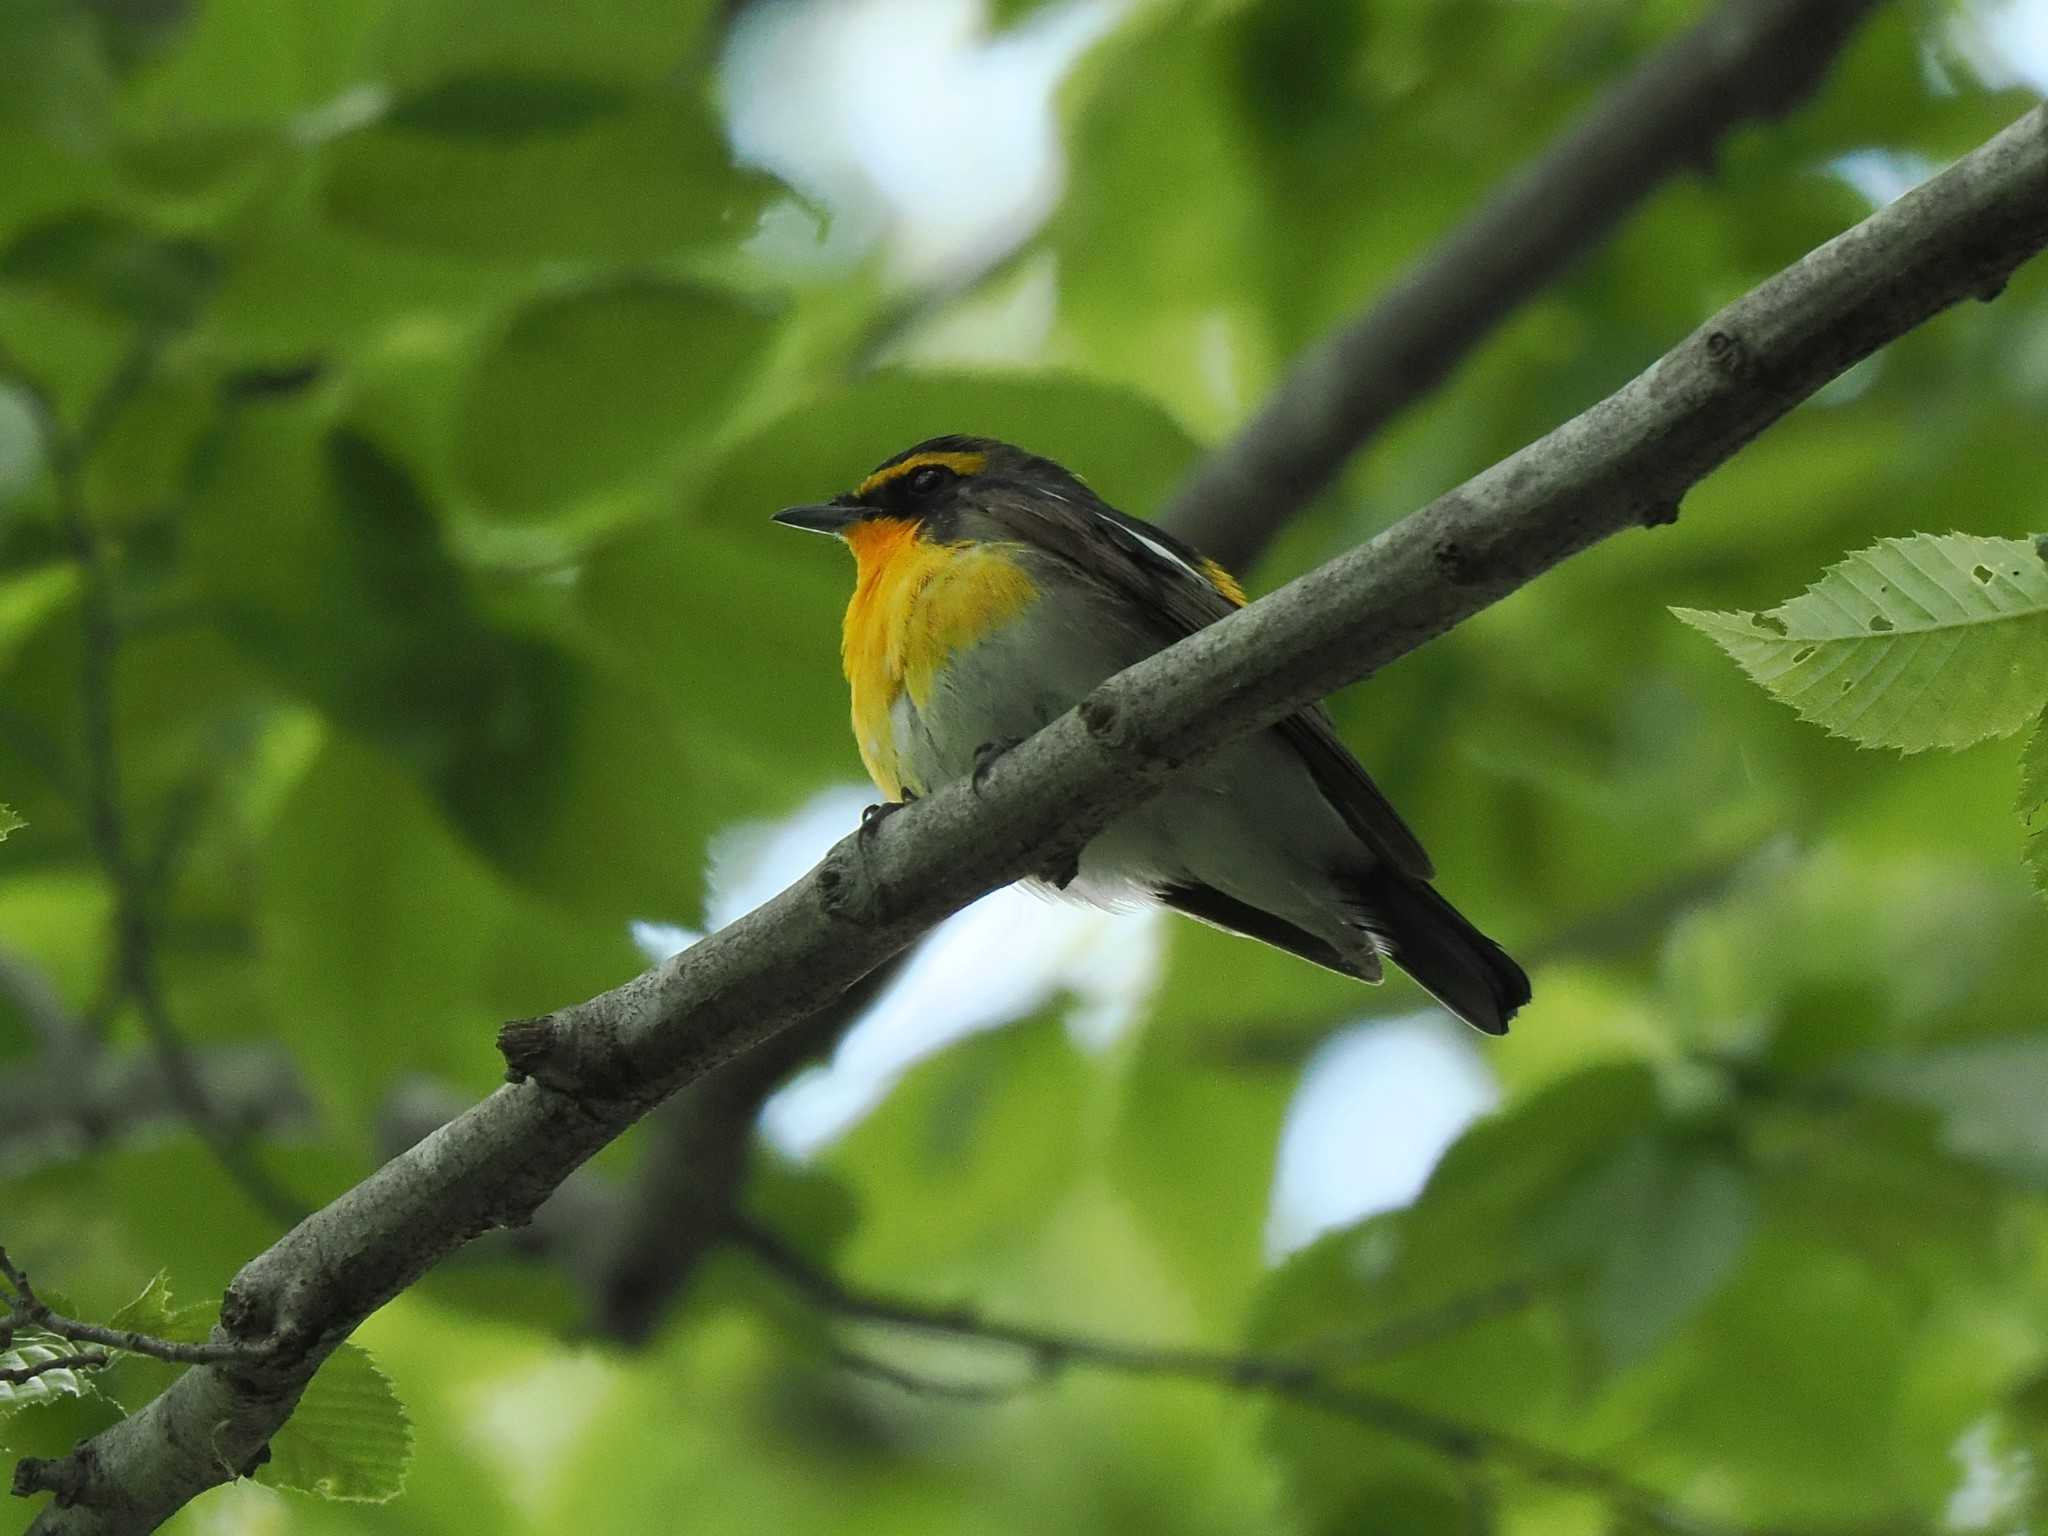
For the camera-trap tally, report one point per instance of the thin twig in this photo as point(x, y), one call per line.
point(84, 1360)
point(1404, 1335)
point(923, 1384)
point(1304, 1380)
point(28, 1309)
point(134, 964)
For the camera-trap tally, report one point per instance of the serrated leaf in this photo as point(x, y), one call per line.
point(2033, 800)
point(34, 1347)
point(9, 821)
point(349, 1439)
point(133, 1380)
point(1928, 641)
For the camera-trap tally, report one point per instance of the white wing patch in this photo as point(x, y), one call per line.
point(1152, 544)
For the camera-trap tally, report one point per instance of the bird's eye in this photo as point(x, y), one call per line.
point(926, 479)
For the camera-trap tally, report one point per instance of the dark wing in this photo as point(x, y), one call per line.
point(1166, 577)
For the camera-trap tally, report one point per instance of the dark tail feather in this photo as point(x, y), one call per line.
point(1453, 961)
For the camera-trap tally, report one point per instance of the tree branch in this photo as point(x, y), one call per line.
point(1750, 59)
point(584, 1073)
point(84, 1360)
point(1307, 1380)
point(54, 1104)
point(1754, 58)
point(27, 1310)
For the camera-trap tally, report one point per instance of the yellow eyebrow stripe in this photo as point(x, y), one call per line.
point(1223, 582)
point(959, 463)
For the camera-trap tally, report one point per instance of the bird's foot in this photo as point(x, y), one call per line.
point(985, 757)
point(874, 815)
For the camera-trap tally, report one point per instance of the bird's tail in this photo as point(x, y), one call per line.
point(1452, 960)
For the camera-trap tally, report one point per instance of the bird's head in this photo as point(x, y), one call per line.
point(934, 489)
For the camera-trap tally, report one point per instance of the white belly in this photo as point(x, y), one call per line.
point(1250, 821)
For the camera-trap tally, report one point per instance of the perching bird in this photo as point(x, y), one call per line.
point(994, 592)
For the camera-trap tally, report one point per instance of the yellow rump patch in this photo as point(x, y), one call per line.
point(1223, 582)
point(959, 463)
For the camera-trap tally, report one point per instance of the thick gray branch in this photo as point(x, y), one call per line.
point(1750, 59)
point(592, 1069)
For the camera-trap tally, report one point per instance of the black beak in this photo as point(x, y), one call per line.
point(822, 517)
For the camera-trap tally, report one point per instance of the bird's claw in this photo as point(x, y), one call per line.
point(985, 757)
point(873, 816)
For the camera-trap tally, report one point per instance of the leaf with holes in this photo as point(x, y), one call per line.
point(2033, 801)
point(1928, 641)
point(350, 1438)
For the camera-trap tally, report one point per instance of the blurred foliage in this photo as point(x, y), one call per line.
point(2033, 800)
point(424, 372)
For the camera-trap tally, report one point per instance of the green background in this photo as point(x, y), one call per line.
point(451, 392)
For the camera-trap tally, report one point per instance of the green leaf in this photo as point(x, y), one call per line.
point(1783, 1404)
point(506, 105)
point(561, 178)
point(9, 821)
point(1988, 1095)
point(54, 1424)
point(1667, 1221)
point(991, 1128)
point(133, 1379)
point(113, 266)
point(1519, 1199)
point(1928, 641)
point(329, 560)
point(2033, 799)
point(597, 386)
point(630, 41)
point(349, 1438)
point(35, 1347)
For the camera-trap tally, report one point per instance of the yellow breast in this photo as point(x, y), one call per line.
point(914, 604)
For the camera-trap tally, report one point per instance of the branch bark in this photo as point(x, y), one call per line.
point(1750, 59)
point(585, 1073)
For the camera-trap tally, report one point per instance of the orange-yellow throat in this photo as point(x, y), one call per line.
point(914, 604)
